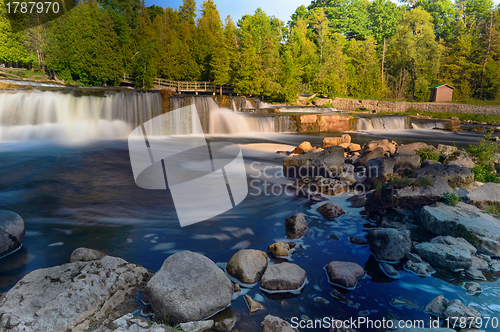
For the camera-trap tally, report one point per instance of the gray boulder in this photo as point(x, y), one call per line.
point(85, 255)
point(446, 150)
point(472, 287)
point(276, 324)
point(389, 270)
point(413, 147)
point(376, 153)
point(188, 287)
point(389, 244)
point(199, 326)
point(486, 196)
point(419, 268)
point(296, 226)
point(444, 308)
point(428, 162)
point(454, 175)
point(480, 229)
point(11, 232)
point(408, 159)
point(283, 277)
point(344, 274)
point(444, 255)
point(437, 306)
point(71, 296)
point(380, 168)
point(330, 211)
point(327, 162)
point(247, 265)
point(460, 158)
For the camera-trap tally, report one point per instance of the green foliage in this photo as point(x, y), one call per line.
point(427, 154)
point(484, 152)
point(423, 181)
point(451, 199)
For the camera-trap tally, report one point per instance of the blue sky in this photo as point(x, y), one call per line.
point(282, 9)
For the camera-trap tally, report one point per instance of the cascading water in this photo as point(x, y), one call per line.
point(74, 114)
point(383, 123)
point(224, 121)
point(428, 125)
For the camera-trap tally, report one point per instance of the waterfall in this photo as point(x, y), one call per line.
point(428, 125)
point(224, 121)
point(383, 123)
point(76, 114)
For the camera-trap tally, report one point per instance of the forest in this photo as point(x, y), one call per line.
point(352, 48)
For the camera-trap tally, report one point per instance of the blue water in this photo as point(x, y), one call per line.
point(72, 196)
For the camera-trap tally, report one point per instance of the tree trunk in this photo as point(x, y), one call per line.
point(486, 57)
point(383, 62)
point(412, 74)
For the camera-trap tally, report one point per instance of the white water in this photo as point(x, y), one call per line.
point(428, 125)
point(57, 115)
point(383, 123)
point(225, 121)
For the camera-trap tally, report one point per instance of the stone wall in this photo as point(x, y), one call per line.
point(350, 105)
point(316, 123)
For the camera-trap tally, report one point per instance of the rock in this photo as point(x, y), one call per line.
point(276, 324)
point(456, 309)
point(330, 211)
point(72, 296)
point(357, 201)
point(383, 143)
point(296, 226)
point(446, 150)
point(377, 153)
point(452, 241)
point(413, 257)
point(253, 305)
point(11, 232)
point(453, 124)
point(447, 256)
point(419, 268)
point(283, 277)
point(199, 326)
point(407, 197)
point(473, 186)
point(389, 270)
point(428, 162)
point(188, 287)
point(474, 273)
point(472, 287)
point(406, 158)
point(327, 162)
point(413, 147)
point(482, 230)
point(303, 148)
point(333, 237)
point(353, 147)
point(279, 249)
point(85, 255)
point(486, 196)
point(460, 158)
point(437, 306)
point(454, 175)
point(357, 241)
point(247, 266)
point(389, 244)
point(332, 141)
point(319, 184)
point(380, 168)
point(344, 274)
point(225, 323)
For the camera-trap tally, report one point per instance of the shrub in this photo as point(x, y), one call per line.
point(451, 199)
point(423, 181)
point(484, 152)
point(427, 154)
point(485, 173)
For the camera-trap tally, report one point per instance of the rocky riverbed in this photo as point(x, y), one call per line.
point(371, 218)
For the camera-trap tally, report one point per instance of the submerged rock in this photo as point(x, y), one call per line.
point(296, 226)
point(463, 220)
point(389, 244)
point(276, 324)
point(71, 296)
point(283, 277)
point(330, 211)
point(11, 232)
point(188, 287)
point(247, 265)
point(344, 274)
point(389, 270)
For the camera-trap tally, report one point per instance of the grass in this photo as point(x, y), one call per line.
point(484, 152)
point(446, 115)
point(423, 181)
point(26, 73)
point(398, 182)
point(493, 210)
point(451, 199)
point(427, 154)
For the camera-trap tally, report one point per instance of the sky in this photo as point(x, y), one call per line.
point(282, 9)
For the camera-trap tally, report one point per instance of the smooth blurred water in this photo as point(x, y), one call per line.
point(84, 195)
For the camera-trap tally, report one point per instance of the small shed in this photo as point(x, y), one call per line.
point(441, 92)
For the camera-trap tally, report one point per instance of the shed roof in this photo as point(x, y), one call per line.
point(440, 85)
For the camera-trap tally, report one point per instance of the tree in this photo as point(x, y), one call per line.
point(224, 57)
point(208, 34)
point(12, 47)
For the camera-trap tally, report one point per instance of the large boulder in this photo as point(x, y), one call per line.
point(332, 141)
point(188, 287)
point(453, 124)
point(460, 158)
point(414, 147)
point(247, 266)
point(296, 226)
point(383, 143)
point(389, 244)
point(408, 197)
point(283, 277)
point(480, 229)
point(303, 148)
point(72, 296)
point(377, 153)
point(407, 159)
point(327, 162)
point(85, 255)
point(453, 309)
point(486, 196)
point(276, 324)
point(344, 274)
point(447, 256)
point(454, 175)
point(11, 232)
point(380, 168)
point(330, 211)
